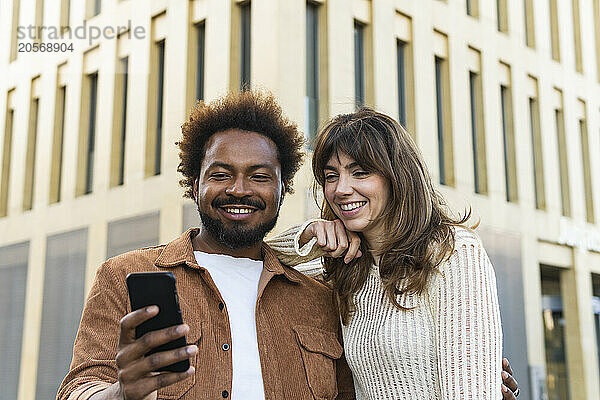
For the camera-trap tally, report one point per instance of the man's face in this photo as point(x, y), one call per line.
point(239, 189)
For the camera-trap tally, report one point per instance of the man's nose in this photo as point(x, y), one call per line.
point(239, 188)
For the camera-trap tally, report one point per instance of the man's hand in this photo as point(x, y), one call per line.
point(136, 379)
point(333, 238)
point(510, 387)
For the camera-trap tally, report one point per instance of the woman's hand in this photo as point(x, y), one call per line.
point(333, 238)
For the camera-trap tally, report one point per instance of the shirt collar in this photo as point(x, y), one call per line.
point(180, 251)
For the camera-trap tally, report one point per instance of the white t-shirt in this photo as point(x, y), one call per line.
point(237, 282)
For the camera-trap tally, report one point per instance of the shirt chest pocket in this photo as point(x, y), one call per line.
point(179, 389)
point(319, 350)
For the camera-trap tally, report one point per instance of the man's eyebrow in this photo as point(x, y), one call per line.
point(259, 166)
point(218, 164)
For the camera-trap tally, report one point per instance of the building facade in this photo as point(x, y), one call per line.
point(501, 96)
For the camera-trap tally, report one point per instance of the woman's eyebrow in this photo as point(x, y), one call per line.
point(352, 165)
point(329, 168)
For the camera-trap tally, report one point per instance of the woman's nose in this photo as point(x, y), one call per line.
point(343, 186)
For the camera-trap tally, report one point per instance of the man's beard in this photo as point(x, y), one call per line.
point(237, 237)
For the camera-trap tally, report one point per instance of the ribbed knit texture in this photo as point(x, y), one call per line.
point(449, 346)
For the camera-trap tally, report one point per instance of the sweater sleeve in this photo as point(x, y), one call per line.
point(469, 333)
point(287, 247)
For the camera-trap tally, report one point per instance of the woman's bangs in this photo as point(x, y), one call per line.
point(353, 142)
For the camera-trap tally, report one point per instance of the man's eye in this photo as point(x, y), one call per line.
point(219, 176)
point(261, 177)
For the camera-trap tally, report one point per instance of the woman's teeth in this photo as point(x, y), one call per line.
point(352, 206)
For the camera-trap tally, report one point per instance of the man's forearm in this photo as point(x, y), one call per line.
point(111, 392)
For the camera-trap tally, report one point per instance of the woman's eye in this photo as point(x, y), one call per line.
point(261, 178)
point(360, 173)
point(330, 177)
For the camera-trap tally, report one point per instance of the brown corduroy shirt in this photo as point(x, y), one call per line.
point(299, 336)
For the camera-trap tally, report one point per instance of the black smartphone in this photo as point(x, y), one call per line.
point(158, 288)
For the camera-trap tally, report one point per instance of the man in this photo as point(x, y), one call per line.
point(256, 329)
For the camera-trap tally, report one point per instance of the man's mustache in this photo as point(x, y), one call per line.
point(233, 201)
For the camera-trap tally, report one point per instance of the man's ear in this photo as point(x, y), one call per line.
point(195, 190)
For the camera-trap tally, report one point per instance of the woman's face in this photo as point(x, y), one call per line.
point(357, 197)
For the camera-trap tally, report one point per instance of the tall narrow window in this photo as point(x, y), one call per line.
point(443, 110)
point(563, 160)
point(502, 15)
point(508, 138)
point(577, 35)
point(529, 23)
point(596, 310)
point(312, 69)
point(91, 136)
point(440, 117)
point(246, 42)
point(405, 71)
point(65, 14)
point(472, 8)
point(478, 133)
point(536, 146)
point(200, 50)
point(6, 153)
point(159, 105)
point(597, 34)
point(30, 155)
point(117, 173)
point(401, 60)
point(13, 288)
point(359, 64)
point(196, 48)
point(587, 167)
point(125, 69)
point(554, 335)
point(93, 8)
point(58, 137)
point(39, 20)
point(154, 132)
point(14, 40)
point(87, 123)
point(554, 30)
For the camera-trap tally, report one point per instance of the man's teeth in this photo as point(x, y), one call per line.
point(238, 210)
point(352, 206)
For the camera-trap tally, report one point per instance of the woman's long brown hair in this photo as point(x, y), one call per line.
point(419, 232)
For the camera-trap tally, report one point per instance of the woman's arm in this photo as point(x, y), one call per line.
point(469, 333)
point(297, 244)
point(288, 250)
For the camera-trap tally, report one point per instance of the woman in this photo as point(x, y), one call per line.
point(419, 308)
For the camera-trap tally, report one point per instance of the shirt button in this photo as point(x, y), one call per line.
point(221, 306)
point(225, 347)
point(225, 394)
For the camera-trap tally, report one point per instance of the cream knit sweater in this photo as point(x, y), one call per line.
point(449, 346)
